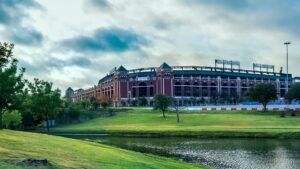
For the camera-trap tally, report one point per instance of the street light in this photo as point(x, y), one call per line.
point(287, 65)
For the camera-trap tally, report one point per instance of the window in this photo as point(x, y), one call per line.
point(177, 89)
point(187, 89)
point(142, 89)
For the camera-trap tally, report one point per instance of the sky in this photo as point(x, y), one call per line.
point(77, 42)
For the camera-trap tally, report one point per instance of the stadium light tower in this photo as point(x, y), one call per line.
point(287, 64)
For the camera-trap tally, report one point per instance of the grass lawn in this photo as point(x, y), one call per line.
point(226, 123)
point(71, 153)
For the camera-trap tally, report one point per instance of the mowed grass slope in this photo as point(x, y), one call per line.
point(146, 121)
point(71, 153)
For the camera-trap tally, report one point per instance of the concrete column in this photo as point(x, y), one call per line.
point(239, 92)
point(219, 85)
point(278, 88)
point(148, 91)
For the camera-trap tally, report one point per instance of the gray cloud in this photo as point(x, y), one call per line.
point(12, 14)
point(106, 40)
point(26, 36)
point(52, 63)
point(97, 5)
point(267, 14)
point(100, 3)
point(13, 11)
point(137, 34)
point(229, 4)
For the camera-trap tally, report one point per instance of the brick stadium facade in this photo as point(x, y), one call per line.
point(181, 82)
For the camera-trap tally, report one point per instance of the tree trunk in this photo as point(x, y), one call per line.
point(164, 114)
point(265, 107)
point(177, 114)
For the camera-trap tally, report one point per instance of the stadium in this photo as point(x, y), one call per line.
point(224, 80)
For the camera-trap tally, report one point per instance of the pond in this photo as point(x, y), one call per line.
point(216, 153)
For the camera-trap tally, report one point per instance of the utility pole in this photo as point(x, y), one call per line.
point(287, 65)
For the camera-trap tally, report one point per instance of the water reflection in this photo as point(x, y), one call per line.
point(216, 153)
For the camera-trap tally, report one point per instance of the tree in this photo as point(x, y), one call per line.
point(94, 103)
point(83, 103)
point(11, 82)
point(262, 93)
point(133, 103)
point(161, 102)
point(177, 108)
point(11, 119)
point(294, 92)
point(105, 101)
point(45, 101)
point(142, 101)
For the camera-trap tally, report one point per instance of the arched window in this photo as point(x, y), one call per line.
point(177, 89)
point(196, 90)
point(133, 92)
point(187, 89)
point(204, 91)
point(112, 90)
point(142, 89)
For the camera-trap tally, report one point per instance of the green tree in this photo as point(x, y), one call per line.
point(84, 104)
point(161, 102)
point(11, 119)
point(142, 101)
point(94, 103)
point(177, 108)
point(133, 103)
point(294, 92)
point(11, 82)
point(45, 101)
point(262, 93)
point(105, 102)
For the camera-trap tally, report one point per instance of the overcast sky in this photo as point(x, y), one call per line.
point(76, 42)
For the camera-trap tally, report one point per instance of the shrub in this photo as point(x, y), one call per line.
point(142, 102)
point(133, 103)
point(110, 112)
point(11, 119)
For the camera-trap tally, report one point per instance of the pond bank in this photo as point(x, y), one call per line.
point(64, 152)
point(209, 124)
point(188, 134)
point(215, 153)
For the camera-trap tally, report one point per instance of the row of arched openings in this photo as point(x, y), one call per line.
point(142, 90)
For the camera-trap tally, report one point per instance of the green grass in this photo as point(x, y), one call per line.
point(223, 123)
point(70, 153)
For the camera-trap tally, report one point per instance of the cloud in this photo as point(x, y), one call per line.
point(229, 4)
point(106, 40)
point(13, 11)
point(141, 34)
point(26, 36)
point(12, 15)
point(81, 62)
point(267, 14)
point(97, 6)
point(100, 3)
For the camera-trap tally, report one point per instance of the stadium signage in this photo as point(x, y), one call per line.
point(227, 62)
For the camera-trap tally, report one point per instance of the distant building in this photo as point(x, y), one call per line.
point(69, 92)
point(182, 82)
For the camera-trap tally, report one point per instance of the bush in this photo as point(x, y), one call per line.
point(11, 119)
point(123, 103)
point(134, 103)
point(142, 102)
point(110, 112)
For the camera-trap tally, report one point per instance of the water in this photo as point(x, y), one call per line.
point(216, 153)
